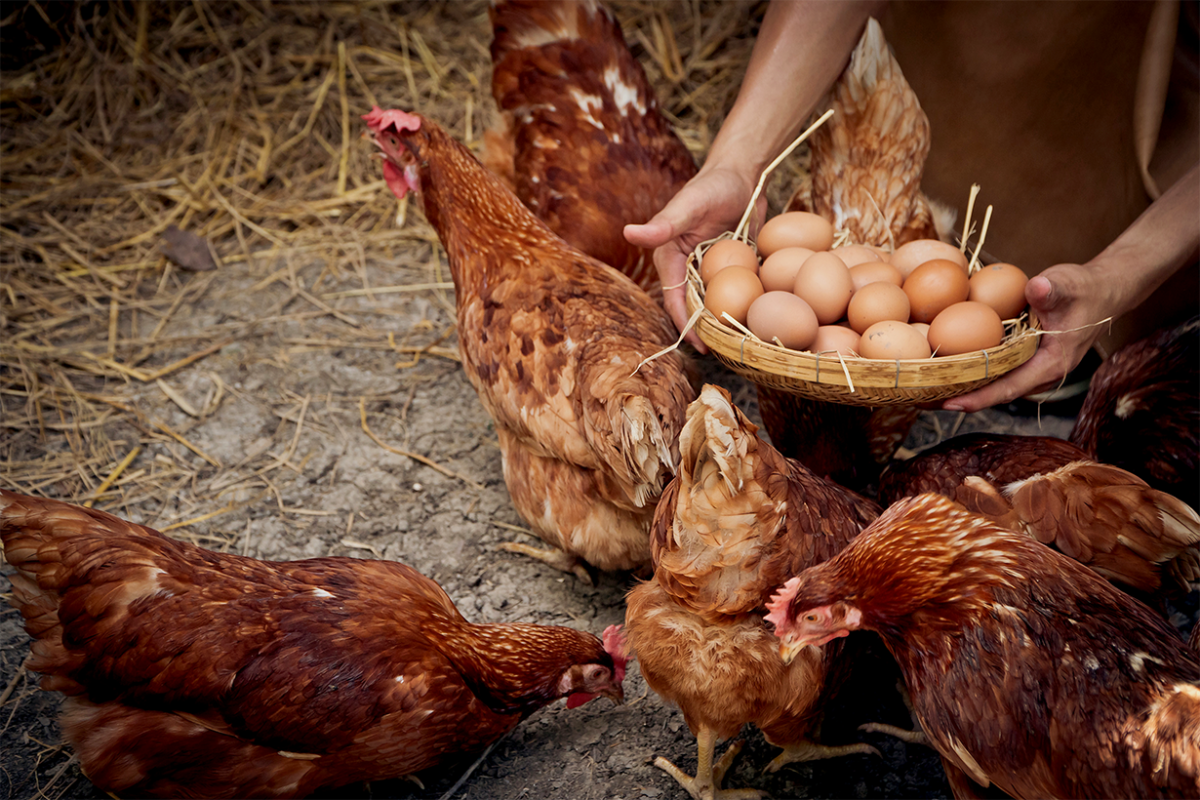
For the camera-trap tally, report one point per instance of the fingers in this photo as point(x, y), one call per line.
point(655, 233)
point(672, 266)
point(1026, 379)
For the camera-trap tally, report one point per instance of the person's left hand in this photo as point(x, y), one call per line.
point(1066, 298)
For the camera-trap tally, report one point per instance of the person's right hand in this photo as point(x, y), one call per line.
point(711, 203)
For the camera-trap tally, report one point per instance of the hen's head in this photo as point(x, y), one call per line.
point(584, 682)
point(399, 162)
point(924, 554)
point(804, 615)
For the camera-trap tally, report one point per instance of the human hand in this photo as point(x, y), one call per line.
point(708, 205)
point(1067, 298)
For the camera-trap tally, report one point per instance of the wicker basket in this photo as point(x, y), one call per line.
point(852, 380)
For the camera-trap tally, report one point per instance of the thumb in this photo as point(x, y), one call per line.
point(1040, 293)
point(649, 235)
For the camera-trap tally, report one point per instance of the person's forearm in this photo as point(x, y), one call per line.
point(800, 51)
point(1160, 241)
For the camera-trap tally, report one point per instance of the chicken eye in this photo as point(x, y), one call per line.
point(811, 618)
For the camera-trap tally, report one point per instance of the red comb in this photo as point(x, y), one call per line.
point(615, 646)
point(778, 604)
point(379, 120)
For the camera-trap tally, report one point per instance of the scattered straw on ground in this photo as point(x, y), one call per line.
point(237, 122)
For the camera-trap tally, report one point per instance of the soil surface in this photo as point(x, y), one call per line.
point(299, 477)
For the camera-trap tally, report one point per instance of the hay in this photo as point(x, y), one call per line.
point(236, 123)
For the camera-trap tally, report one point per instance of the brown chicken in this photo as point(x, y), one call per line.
point(200, 674)
point(581, 141)
point(1142, 411)
point(554, 343)
point(730, 528)
point(865, 168)
point(1098, 514)
point(1026, 670)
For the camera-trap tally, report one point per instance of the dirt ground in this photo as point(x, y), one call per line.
point(323, 419)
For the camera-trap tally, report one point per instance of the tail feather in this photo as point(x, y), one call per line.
point(1089, 510)
point(646, 447)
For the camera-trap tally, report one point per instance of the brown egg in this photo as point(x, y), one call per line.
point(783, 316)
point(964, 328)
point(824, 283)
point(723, 253)
point(831, 338)
point(933, 286)
point(872, 271)
point(876, 302)
point(923, 327)
point(778, 270)
point(795, 229)
point(892, 340)
point(1001, 286)
point(915, 253)
point(855, 254)
point(732, 290)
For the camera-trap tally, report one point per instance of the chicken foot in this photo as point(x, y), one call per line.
point(559, 559)
point(706, 784)
point(912, 737)
point(813, 751)
point(915, 736)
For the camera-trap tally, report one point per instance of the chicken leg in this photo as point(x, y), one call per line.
point(707, 782)
point(813, 751)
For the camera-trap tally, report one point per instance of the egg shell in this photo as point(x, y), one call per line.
point(965, 328)
point(832, 338)
point(893, 340)
point(855, 254)
point(778, 270)
point(872, 271)
point(913, 254)
point(726, 252)
point(732, 290)
point(795, 229)
point(923, 327)
point(933, 286)
point(824, 283)
point(876, 302)
point(1001, 286)
point(783, 316)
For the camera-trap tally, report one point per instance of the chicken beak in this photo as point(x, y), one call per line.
point(614, 693)
point(790, 648)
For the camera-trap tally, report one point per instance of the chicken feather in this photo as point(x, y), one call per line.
point(554, 343)
point(737, 520)
point(581, 140)
point(1026, 670)
point(195, 673)
point(1049, 489)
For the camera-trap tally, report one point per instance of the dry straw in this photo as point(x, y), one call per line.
point(236, 123)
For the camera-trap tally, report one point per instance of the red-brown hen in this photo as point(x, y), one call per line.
point(735, 523)
point(1026, 670)
point(190, 673)
point(581, 141)
point(1100, 515)
point(552, 341)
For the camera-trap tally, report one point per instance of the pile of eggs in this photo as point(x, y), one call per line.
point(916, 302)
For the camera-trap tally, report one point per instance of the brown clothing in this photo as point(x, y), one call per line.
point(1035, 101)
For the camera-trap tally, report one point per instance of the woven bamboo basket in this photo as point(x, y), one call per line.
point(853, 380)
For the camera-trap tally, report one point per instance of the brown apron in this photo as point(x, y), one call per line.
point(1070, 115)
